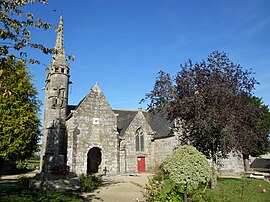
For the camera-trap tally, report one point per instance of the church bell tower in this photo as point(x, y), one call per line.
point(55, 107)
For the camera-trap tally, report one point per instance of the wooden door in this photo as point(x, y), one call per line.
point(141, 164)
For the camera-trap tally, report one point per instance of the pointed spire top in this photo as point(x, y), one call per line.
point(59, 44)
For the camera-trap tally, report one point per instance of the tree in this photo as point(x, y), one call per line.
point(264, 125)
point(19, 122)
point(187, 168)
point(15, 31)
point(254, 132)
point(210, 99)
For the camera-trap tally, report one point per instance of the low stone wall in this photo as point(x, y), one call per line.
point(234, 164)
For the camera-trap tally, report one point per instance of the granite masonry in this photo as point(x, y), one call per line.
point(92, 137)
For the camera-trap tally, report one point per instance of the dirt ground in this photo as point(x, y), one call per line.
point(120, 189)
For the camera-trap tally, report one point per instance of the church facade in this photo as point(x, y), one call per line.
point(92, 137)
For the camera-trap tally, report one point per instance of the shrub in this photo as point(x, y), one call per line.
point(161, 188)
point(90, 182)
point(187, 168)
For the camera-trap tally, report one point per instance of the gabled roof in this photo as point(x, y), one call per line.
point(95, 89)
point(158, 122)
point(124, 119)
point(161, 125)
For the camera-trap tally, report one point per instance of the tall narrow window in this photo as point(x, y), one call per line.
point(139, 138)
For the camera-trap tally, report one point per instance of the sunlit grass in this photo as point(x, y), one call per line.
point(249, 190)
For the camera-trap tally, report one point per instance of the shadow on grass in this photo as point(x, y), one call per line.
point(11, 194)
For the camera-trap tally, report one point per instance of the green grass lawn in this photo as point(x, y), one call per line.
point(32, 164)
point(244, 190)
point(36, 195)
point(17, 191)
point(227, 190)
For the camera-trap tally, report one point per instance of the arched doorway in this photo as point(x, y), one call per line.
point(93, 160)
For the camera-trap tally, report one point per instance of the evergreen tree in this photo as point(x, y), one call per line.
point(19, 122)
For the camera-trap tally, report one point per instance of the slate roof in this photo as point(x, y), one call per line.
point(260, 163)
point(160, 124)
point(158, 121)
point(124, 119)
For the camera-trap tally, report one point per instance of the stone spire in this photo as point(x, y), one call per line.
point(59, 56)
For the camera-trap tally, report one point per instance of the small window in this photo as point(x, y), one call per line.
point(139, 139)
point(62, 70)
point(56, 69)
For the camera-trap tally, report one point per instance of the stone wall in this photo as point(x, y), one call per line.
point(95, 125)
point(128, 154)
point(162, 148)
point(234, 164)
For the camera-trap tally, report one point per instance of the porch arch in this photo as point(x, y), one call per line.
point(94, 157)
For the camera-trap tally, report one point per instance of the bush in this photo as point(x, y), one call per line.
point(90, 182)
point(161, 188)
point(187, 168)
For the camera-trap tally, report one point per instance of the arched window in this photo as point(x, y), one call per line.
point(139, 140)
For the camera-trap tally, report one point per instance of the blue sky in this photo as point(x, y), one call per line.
point(122, 44)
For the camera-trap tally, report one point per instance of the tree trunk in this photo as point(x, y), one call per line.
point(214, 172)
point(185, 196)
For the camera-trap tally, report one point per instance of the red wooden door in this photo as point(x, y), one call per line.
point(141, 164)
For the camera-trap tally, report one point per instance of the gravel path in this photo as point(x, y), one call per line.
point(120, 189)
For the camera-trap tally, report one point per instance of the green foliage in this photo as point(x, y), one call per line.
point(161, 188)
point(212, 100)
point(16, 23)
point(187, 168)
point(90, 182)
point(15, 26)
point(19, 122)
point(262, 147)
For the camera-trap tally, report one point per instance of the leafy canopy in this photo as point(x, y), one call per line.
point(213, 101)
point(15, 34)
point(19, 122)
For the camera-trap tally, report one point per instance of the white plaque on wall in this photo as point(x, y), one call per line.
point(95, 121)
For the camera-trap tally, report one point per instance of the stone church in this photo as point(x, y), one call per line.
point(92, 137)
